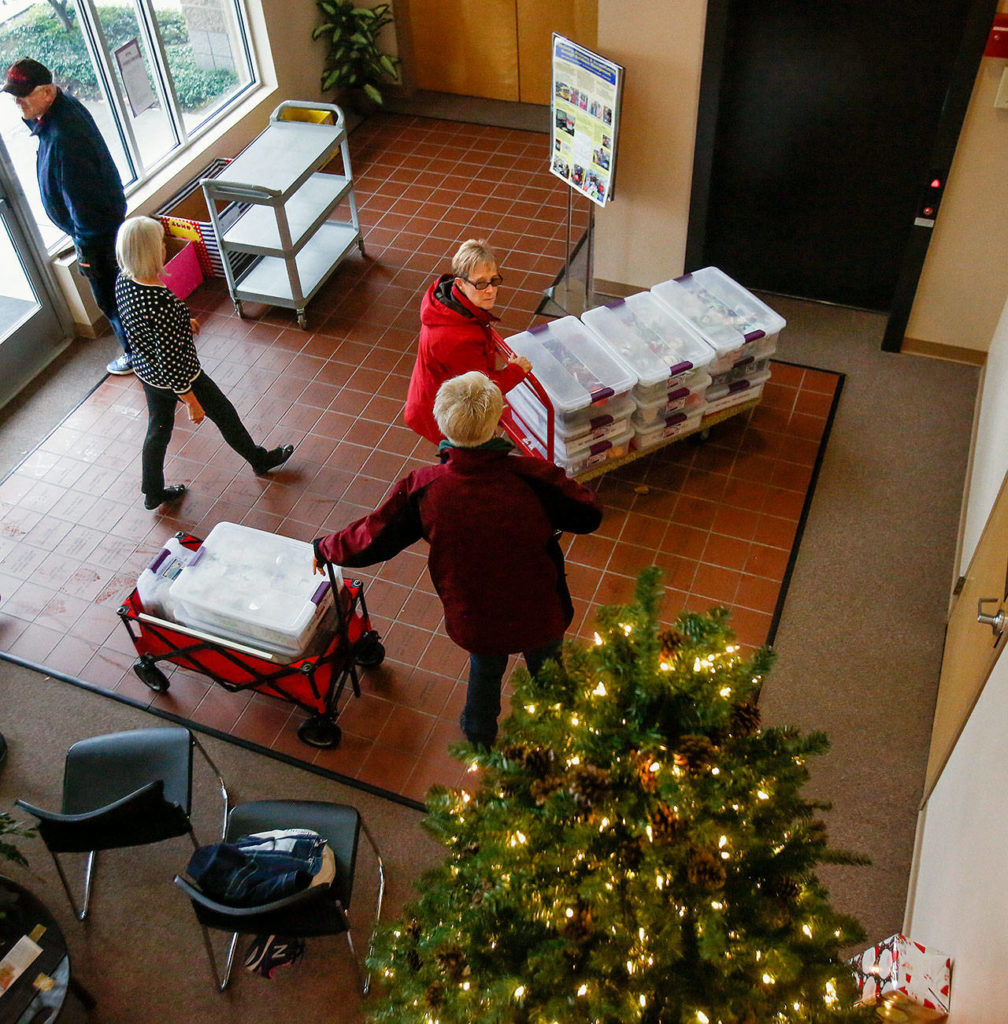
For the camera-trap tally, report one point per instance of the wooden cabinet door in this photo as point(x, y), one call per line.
point(468, 47)
point(577, 20)
point(971, 647)
point(494, 49)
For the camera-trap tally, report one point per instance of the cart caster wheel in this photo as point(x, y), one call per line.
point(320, 731)
point(239, 311)
point(700, 436)
point(302, 322)
point(370, 651)
point(360, 245)
point(150, 675)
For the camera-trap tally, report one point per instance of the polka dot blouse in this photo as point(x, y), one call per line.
point(157, 324)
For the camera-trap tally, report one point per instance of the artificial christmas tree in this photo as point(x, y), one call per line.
point(637, 849)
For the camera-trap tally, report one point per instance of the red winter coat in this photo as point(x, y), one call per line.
point(455, 337)
point(490, 519)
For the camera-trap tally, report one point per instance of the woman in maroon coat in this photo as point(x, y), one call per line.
point(456, 335)
point(492, 520)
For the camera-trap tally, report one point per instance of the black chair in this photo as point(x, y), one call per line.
point(320, 910)
point(124, 789)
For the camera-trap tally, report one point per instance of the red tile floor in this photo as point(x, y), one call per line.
point(720, 518)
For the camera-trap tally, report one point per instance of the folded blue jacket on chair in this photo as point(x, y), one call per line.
point(258, 869)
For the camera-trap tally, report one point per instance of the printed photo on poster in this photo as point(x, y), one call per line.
point(587, 91)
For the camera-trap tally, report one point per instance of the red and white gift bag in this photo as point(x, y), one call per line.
point(904, 980)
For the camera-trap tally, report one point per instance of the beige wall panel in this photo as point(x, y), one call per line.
point(466, 48)
point(641, 234)
point(575, 19)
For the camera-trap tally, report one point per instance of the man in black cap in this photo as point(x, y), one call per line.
point(82, 193)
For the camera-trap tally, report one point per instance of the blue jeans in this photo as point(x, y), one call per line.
point(486, 673)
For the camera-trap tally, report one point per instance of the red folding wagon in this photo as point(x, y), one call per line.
point(314, 682)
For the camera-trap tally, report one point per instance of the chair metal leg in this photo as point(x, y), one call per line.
point(220, 982)
point(381, 893)
point(81, 913)
point(220, 781)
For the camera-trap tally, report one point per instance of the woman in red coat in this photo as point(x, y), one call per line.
point(456, 335)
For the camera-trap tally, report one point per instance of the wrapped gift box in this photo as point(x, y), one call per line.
point(904, 980)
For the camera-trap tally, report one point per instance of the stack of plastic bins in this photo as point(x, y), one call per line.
point(670, 359)
point(741, 329)
point(254, 587)
point(588, 386)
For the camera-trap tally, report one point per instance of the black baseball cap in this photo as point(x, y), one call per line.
point(23, 76)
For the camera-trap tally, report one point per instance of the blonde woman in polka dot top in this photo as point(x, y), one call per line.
point(160, 332)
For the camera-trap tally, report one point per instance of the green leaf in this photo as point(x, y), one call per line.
point(316, 32)
point(373, 93)
point(388, 64)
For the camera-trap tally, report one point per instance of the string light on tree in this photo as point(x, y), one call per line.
point(636, 837)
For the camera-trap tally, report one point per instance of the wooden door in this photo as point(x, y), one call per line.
point(494, 49)
point(971, 647)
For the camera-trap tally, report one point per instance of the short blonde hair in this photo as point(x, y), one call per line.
point(468, 408)
point(139, 248)
point(473, 253)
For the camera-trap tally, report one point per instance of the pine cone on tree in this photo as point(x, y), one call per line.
point(543, 789)
point(413, 961)
point(670, 640)
point(452, 963)
point(579, 926)
point(648, 779)
point(413, 929)
point(705, 869)
point(783, 888)
point(587, 783)
point(537, 761)
point(434, 995)
point(666, 825)
point(745, 719)
point(695, 754)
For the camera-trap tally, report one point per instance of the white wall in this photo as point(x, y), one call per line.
point(990, 451)
point(959, 897)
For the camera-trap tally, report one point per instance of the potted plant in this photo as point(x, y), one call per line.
point(10, 828)
point(355, 63)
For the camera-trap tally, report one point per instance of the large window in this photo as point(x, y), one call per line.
point(155, 74)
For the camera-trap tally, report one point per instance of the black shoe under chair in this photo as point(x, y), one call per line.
point(275, 457)
point(173, 493)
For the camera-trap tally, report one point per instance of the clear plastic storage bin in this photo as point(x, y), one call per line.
point(652, 431)
point(685, 397)
point(580, 431)
point(727, 315)
point(255, 587)
point(575, 367)
point(585, 458)
point(724, 396)
point(655, 343)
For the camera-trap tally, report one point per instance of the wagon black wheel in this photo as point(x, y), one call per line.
point(370, 651)
point(320, 731)
point(150, 675)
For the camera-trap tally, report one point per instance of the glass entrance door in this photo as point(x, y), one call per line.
point(30, 332)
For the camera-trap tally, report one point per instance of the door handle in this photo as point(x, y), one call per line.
point(995, 621)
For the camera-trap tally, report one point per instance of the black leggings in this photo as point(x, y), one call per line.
point(161, 419)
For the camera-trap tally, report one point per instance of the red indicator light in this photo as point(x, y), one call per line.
point(936, 183)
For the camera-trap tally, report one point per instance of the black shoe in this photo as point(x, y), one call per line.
point(121, 365)
point(275, 457)
point(173, 493)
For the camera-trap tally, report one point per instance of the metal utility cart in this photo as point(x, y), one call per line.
point(287, 224)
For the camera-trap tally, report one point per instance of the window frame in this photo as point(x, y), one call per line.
point(152, 42)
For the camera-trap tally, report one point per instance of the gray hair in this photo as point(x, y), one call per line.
point(473, 253)
point(467, 409)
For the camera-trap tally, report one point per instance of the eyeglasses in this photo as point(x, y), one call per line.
point(481, 286)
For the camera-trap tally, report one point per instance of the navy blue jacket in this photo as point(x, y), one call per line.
point(81, 190)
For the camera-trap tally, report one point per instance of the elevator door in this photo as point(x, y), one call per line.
point(826, 119)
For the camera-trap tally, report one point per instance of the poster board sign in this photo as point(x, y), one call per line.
point(134, 77)
point(585, 106)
